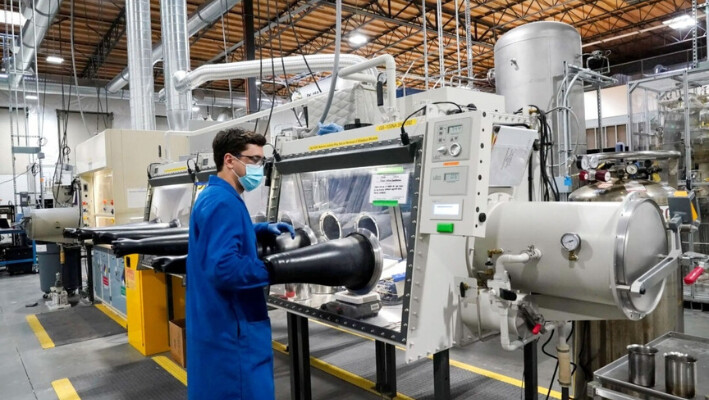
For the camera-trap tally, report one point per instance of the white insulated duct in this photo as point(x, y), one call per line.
point(351, 67)
point(140, 61)
point(176, 50)
point(32, 35)
point(202, 18)
point(248, 69)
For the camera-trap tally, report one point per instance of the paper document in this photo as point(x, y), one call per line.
point(510, 154)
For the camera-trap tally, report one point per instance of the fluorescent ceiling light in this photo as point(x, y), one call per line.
point(54, 60)
point(258, 83)
point(680, 22)
point(12, 17)
point(3, 76)
point(195, 108)
point(30, 97)
point(357, 39)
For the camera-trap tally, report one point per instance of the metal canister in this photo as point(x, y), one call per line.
point(641, 360)
point(680, 374)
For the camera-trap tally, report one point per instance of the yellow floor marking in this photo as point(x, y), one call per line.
point(340, 373)
point(173, 369)
point(112, 314)
point(44, 340)
point(480, 371)
point(500, 377)
point(65, 390)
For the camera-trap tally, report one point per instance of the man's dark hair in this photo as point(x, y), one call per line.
point(234, 141)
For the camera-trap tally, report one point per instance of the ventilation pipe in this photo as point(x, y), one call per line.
point(173, 17)
point(351, 67)
point(207, 98)
point(246, 69)
point(32, 35)
point(140, 61)
point(201, 19)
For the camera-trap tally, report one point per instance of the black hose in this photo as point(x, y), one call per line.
point(157, 246)
point(87, 233)
point(170, 264)
point(106, 237)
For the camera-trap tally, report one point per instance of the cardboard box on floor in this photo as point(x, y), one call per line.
point(177, 342)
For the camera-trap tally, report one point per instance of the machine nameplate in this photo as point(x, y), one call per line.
point(176, 169)
point(394, 125)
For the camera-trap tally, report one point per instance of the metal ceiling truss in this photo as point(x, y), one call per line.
point(105, 46)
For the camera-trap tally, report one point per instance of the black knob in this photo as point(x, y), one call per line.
point(482, 217)
point(508, 295)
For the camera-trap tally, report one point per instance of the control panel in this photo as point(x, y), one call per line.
point(452, 140)
point(456, 174)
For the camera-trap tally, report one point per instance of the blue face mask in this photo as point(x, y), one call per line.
point(253, 177)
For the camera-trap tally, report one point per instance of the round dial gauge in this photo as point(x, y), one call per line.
point(589, 162)
point(631, 169)
point(571, 241)
point(585, 164)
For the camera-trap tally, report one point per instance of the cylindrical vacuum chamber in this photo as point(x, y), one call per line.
point(47, 224)
point(617, 243)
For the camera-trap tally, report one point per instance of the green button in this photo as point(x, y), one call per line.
point(444, 227)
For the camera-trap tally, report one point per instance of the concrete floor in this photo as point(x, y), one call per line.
point(26, 371)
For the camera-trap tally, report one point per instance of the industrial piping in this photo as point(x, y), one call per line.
point(173, 15)
point(247, 69)
point(353, 66)
point(139, 34)
point(32, 35)
point(198, 21)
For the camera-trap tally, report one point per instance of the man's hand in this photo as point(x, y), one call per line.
point(273, 229)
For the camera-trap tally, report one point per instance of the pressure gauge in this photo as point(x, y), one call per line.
point(631, 169)
point(571, 242)
point(585, 164)
point(589, 162)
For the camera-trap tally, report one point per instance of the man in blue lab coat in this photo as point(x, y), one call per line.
point(229, 352)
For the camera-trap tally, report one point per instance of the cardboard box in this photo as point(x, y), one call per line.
point(177, 342)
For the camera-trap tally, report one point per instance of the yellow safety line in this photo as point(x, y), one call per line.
point(65, 390)
point(480, 371)
point(173, 369)
point(340, 373)
point(44, 340)
point(112, 314)
point(502, 378)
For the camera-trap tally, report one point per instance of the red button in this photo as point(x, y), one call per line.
point(537, 328)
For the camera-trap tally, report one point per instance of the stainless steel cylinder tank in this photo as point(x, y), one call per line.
point(529, 69)
point(601, 342)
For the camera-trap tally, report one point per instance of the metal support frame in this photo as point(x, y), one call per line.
point(90, 271)
point(170, 300)
point(250, 53)
point(299, 351)
point(386, 368)
point(531, 376)
point(109, 41)
point(441, 375)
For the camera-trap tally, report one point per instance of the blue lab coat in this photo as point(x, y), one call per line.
point(229, 353)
